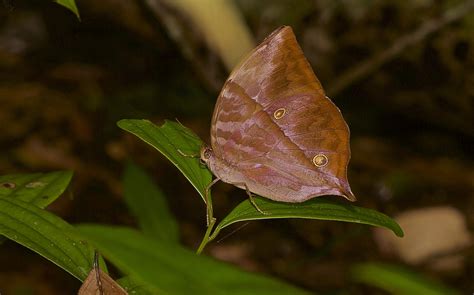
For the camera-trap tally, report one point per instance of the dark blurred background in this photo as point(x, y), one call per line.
point(402, 73)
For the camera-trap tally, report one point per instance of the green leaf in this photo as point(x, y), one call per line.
point(169, 139)
point(45, 234)
point(149, 205)
point(40, 189)
point(171, 269)
point(317, 208)
point(397, 280)
point(69, 4)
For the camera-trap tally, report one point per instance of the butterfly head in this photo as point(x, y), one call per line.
point(206, 153)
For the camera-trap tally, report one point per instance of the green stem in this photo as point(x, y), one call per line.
point(214, 234)
point(206, 239)
point(211, 221)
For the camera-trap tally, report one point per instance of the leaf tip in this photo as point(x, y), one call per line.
point(121, 123)
point(71, 6)
point(398, 231)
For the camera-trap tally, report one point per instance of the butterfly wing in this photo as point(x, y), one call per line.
point(249, 135)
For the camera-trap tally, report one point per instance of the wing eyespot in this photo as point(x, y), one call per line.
point(320, 160)
point(278, 114)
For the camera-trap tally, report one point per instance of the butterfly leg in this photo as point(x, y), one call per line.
point(209, 213)
point(251, 198)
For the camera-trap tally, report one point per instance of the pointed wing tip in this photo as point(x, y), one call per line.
point(347, 193)
point(281, 31)
point(350, 196)
point(284, 28)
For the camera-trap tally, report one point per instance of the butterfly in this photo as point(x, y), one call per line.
point(274, 132)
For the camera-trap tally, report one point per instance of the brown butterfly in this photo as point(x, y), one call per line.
point(274, 132)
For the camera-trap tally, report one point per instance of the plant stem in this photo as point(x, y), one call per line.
point(206, 238)
point(211, 220)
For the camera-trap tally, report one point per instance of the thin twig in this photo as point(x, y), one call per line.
point(369, 66)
